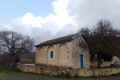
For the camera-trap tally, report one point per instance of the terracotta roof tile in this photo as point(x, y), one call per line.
point(57, 40)
point(61, 38)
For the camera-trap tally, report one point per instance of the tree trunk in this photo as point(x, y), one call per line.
point(13, 61)
point(99, 60)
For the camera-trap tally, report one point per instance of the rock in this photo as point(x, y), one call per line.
point(116, 63)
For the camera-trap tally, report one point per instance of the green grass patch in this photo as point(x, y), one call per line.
point(7, 70)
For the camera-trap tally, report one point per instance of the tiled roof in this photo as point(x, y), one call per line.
point(56, 41)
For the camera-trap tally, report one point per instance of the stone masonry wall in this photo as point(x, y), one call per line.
point(55, 71)
point(62, 55)
point(105, 64)
point(77, 50)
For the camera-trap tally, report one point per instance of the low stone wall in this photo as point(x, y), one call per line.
point(105, 64)
point(56, 71)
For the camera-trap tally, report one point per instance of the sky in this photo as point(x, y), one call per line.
point(15, 8)
point(47, 19)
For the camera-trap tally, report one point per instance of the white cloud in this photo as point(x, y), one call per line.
point(67, 17)
point(56, 24)
point(30, 20)
point(88, 12)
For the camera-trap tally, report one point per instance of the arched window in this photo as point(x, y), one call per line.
point(51, 54)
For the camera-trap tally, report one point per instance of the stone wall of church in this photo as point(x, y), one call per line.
point(80, 47)
point(61, 55)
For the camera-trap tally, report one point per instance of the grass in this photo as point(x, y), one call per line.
point(9, 74)
point(7, 70)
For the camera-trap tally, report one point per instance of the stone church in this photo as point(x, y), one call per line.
point(66, 52)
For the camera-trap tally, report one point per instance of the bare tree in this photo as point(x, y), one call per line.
point(103, 39)
point(13, 43)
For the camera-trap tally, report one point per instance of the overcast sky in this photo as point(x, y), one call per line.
point(47, 19)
